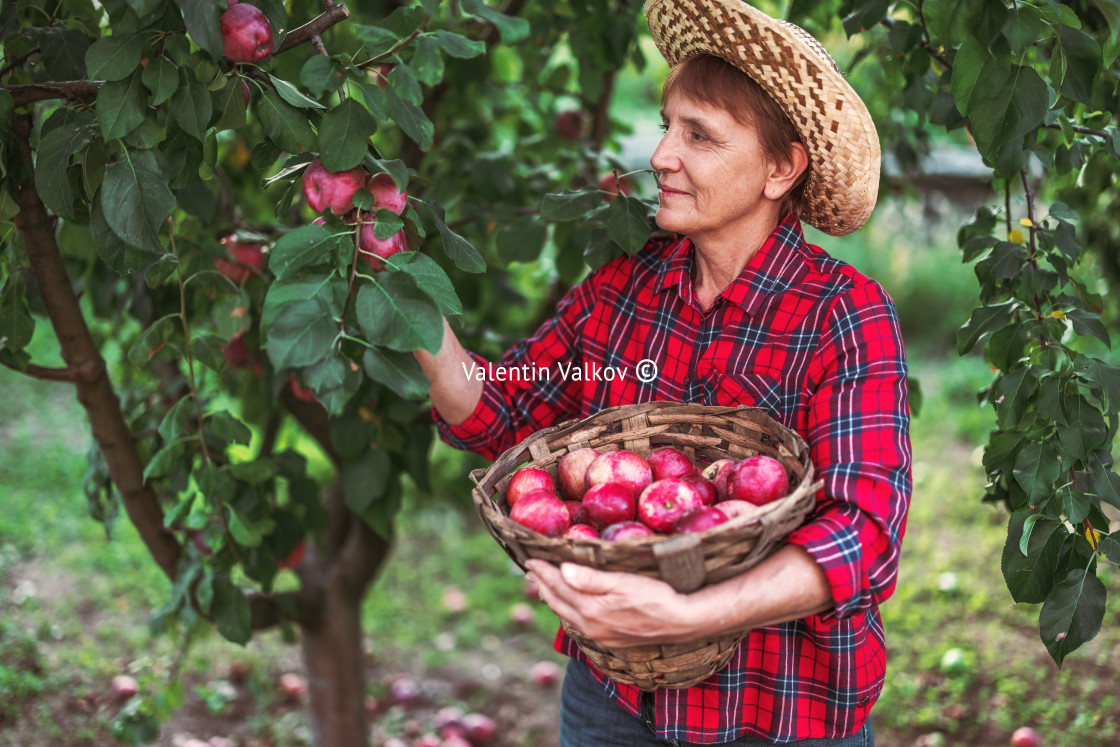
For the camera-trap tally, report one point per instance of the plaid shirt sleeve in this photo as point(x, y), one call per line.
point(511, 410)
point(858, 425)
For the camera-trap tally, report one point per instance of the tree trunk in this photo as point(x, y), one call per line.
point(332, 654)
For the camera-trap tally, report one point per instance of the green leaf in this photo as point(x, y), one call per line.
point(204, 25)
point(114, 57)
point(1029, 576)
point(397, 314)
point(1012, 396)
point(63, 51)
point(328, 289)
point(364, 480)
point(320, 74)
point(135, 198)
point(979, 72)
point(981, 321)
point(228, 428)
point(1036, 470)
point(123, 258)
point(1109, 548)
point(302, 333)
point(255, 471)
point(207, 350)
point(511, 28)
point(427, 62)
point(405, 84)
point(1072, 613)
point(191, 107)
point(430, 278)
point(521, 240)
point(1106, 484)
point(398, 371)
point(307, 245)
point(394, 168)
point(230, 610)
point(1097, 371)
point(16, 323)
point(1022, 28)
point(1017, 108)
point(1075, 504)
point(161, 77)
point(628, 224)
point(410, 118)
point(174, 423)
point(1088, 324)
point(344, 135)
point(1086, 430)
point(574, 204)
point(231, 107)
point(121, 107)
point(169, 456)
point(458, 249)
point(1081, 56)
point(243, 531)
point(52, 161)
point(457, 45)
point(287, 126)
point(152, 339)
point(293, 95)
point(386, 223)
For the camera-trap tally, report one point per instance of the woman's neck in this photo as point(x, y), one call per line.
point(718, 261)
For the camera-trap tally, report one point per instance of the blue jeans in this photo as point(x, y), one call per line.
point(588, 718)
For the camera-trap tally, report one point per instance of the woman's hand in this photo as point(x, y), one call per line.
point(616, 610)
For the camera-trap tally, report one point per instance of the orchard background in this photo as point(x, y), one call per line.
point(253, 422)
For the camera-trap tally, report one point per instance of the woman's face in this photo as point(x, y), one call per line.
point(714, 178)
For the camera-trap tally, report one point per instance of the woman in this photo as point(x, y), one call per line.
point(760, 129)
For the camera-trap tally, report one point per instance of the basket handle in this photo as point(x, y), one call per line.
point(680, 561)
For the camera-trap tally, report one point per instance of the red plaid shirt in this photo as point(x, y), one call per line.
point(817, 345)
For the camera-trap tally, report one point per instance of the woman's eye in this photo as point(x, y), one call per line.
point(697, 137)
point(664, 126)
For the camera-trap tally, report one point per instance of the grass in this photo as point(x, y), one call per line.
point(965, 667)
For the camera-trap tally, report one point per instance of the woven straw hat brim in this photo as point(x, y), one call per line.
point(794, 69)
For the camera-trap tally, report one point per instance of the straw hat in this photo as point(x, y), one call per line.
point(804, 80)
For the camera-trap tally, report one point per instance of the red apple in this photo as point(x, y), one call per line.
point(480, 729)
point(669, 462)
point(569, 125)
point(428, 740)
point(195, 743)
point(380, 74)
point(386, 195)
point(247, 33)
point(609, 503)
point(238, 672)
point(404, 690)
point(521, 614)
point(243, 260)
point(237, 352)
point(707, 491)
point(575, 511)
point(665, 501)
point(292, 686)
point(301, 392)
point(545, 674)
point(455, 740)
point(526, 480)
point(1025, 736)
point(719, 472)
point(623, 467)
point(123, 687)
point(625, 530)
point(733, 508)
point(335, 190)
point(610, 188)
point(580, 531)
point(295, 557)
point(375, 251)
point(245, 93)
point(699, 520)
point(447, 716)
point(759, 480)
point(454, 600)
point(542, 512)
point(572, 472)
point(397, 742)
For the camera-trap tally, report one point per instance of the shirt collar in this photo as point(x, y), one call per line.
point(775, 268)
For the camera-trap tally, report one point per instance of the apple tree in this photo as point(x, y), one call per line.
point(1035, 84)
point(238, 220)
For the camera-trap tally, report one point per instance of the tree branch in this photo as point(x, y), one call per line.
point(80, 352)
point(315, 27)
point(1078, 129)
point(393, 50)
point(84, 90)
point(43, 373)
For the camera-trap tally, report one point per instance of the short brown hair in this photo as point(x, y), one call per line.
point(716, 82)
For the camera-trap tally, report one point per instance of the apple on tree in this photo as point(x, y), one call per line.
point(243, 260)
point(569, 125)
point(335, 190)
point(375, 251)
point(247, 33)
point(386, 195)
point(611, 185)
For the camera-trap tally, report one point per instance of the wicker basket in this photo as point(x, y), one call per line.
point(686, 562)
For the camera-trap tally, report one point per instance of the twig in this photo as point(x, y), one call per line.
point(187, 343)
point(1079, 129)
point(18, 61)
point(315, 27)
point(1007, 205)
point(393, 50)
point(1030, 205)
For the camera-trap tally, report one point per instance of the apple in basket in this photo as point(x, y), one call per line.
point(526, 480)
point(626, 530)
point(719, 472)
point(609, 503)
point(622, 467)
point(542, 512)
point(665, 501)
point(699, 520)
point(572, 472)
point(704, 486)
point(669, 462)
point(580, 531)
point(759, 480)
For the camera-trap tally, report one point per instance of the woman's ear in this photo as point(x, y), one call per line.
point(784, 174)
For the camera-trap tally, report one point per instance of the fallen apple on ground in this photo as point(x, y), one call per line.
point(123, 687)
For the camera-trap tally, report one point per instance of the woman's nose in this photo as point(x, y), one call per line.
point(664, 157)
